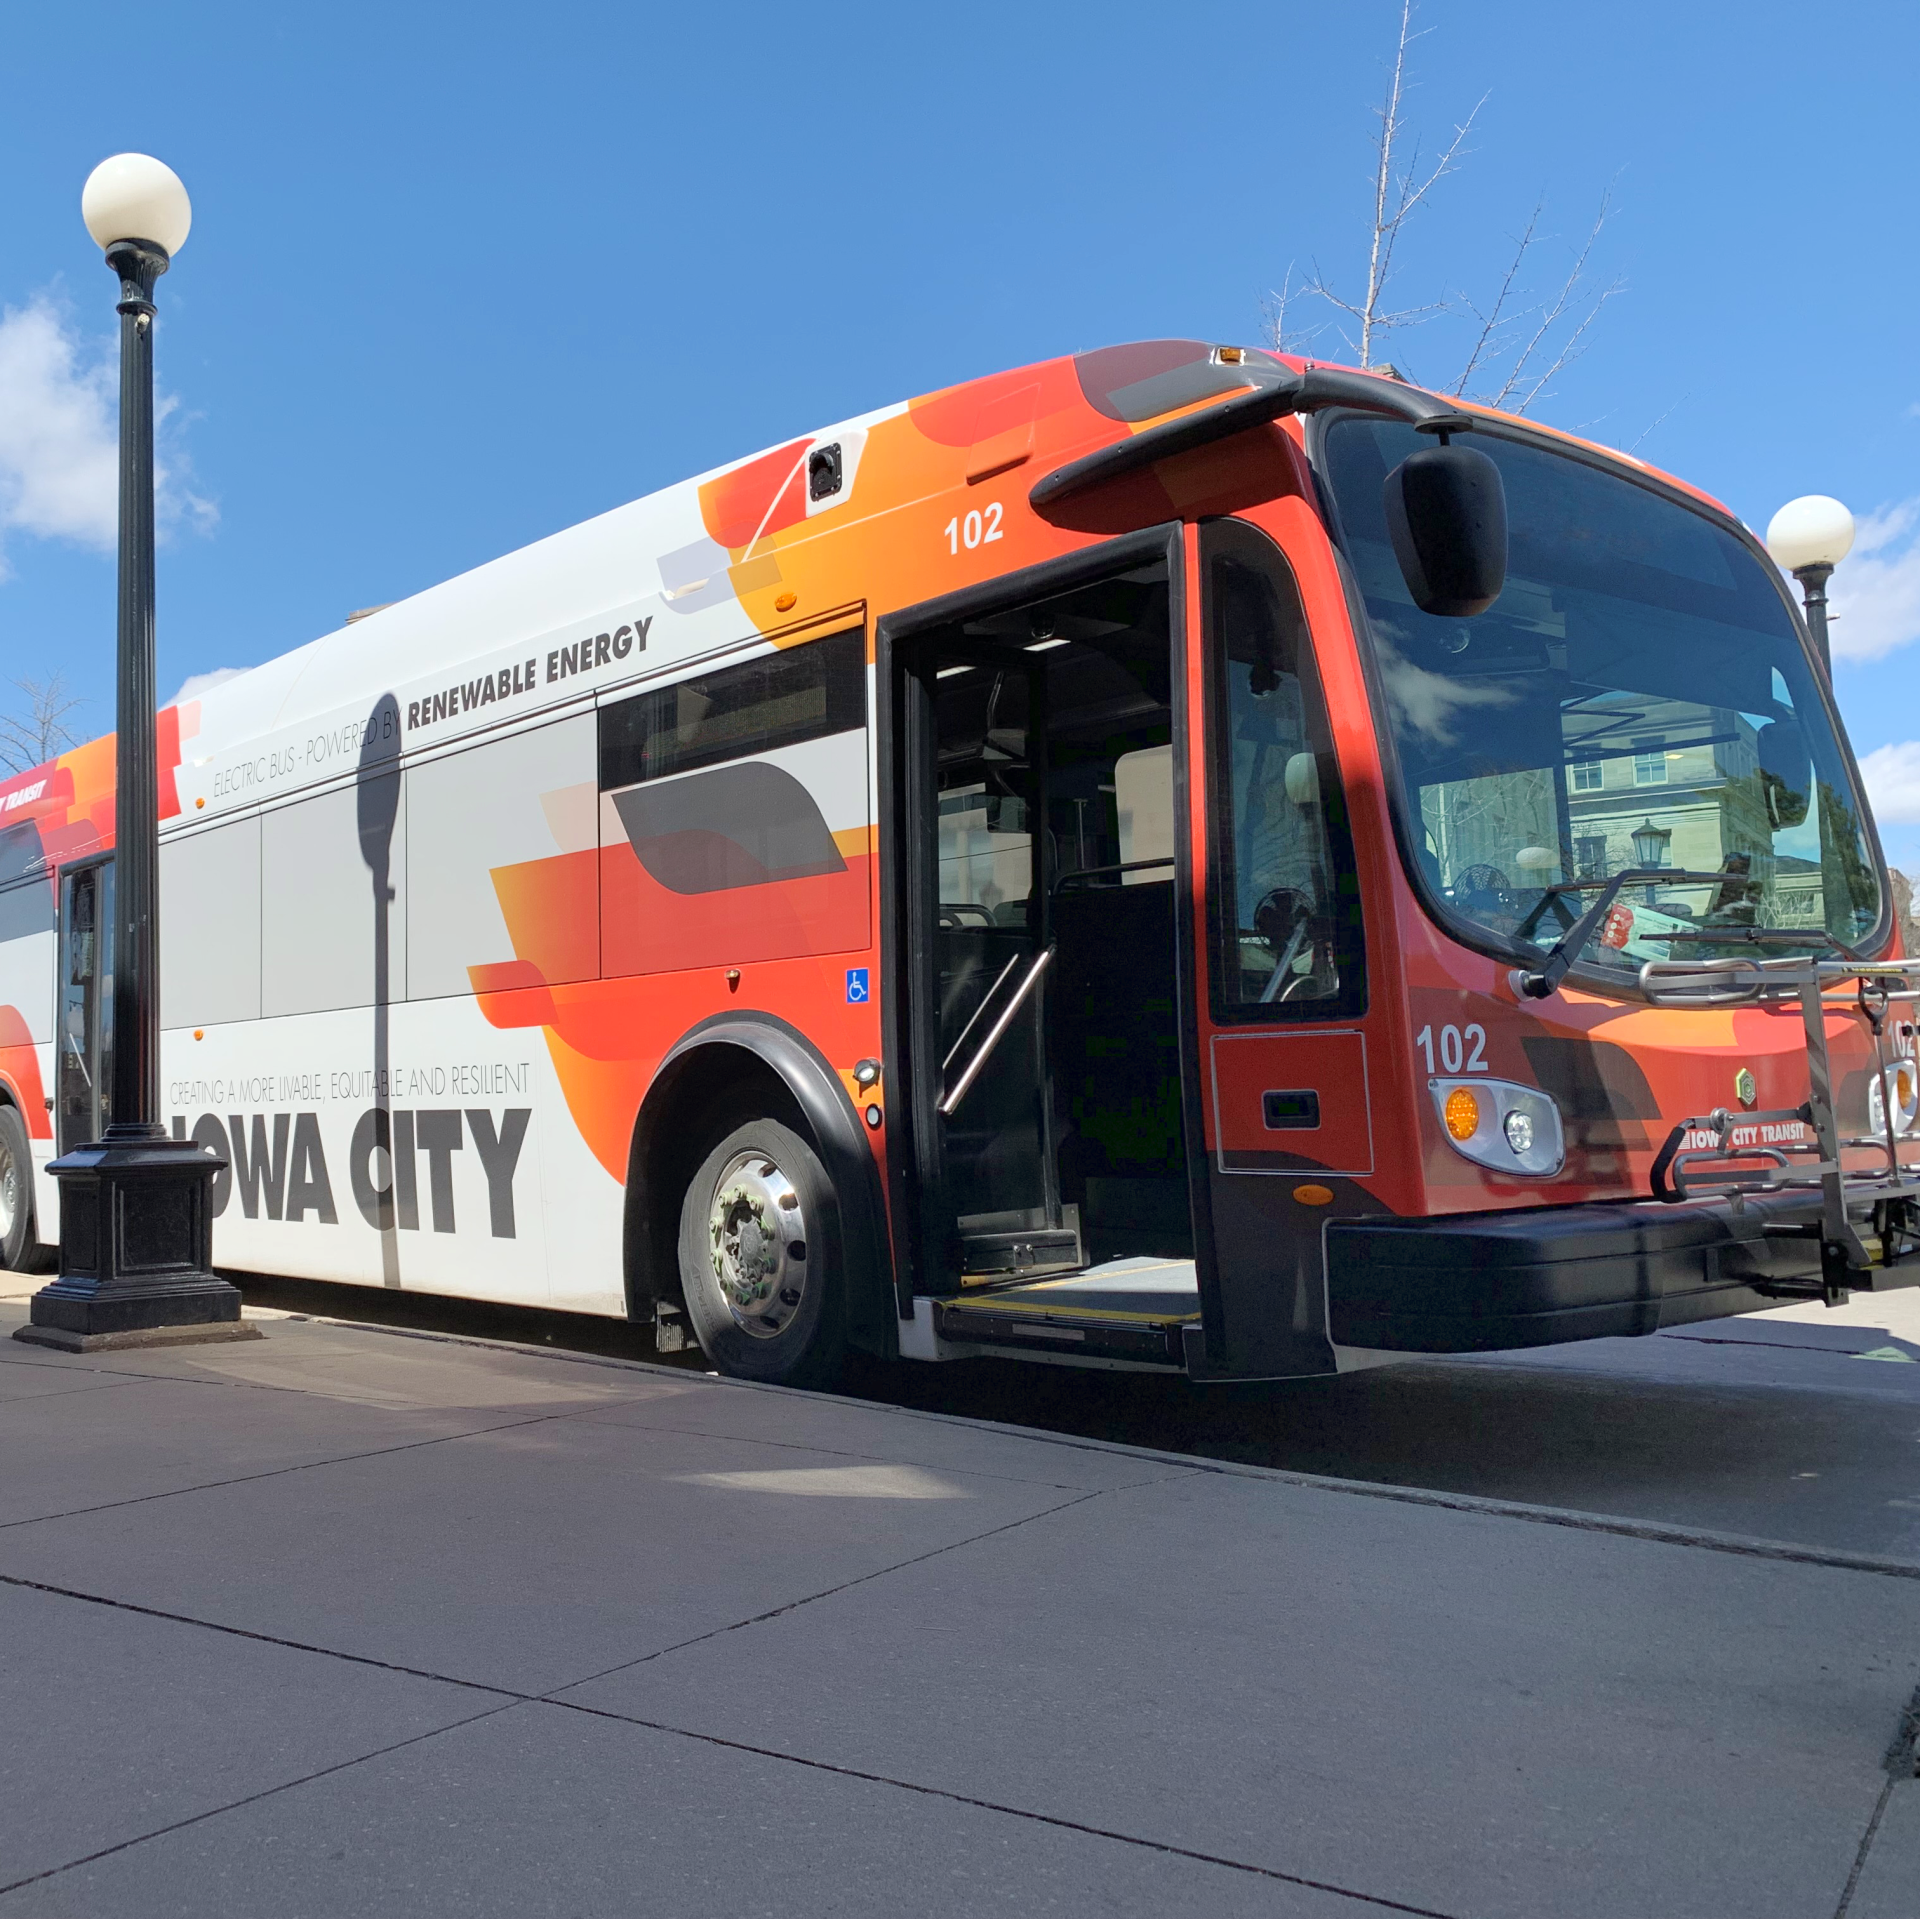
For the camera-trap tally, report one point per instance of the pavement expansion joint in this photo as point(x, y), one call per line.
point(253, 1798)
point(828, 1592)
point(280, 1472)
point(1009, 1811)
point(507, 1693)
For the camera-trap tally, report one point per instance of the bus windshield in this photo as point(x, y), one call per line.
point(1636, 697)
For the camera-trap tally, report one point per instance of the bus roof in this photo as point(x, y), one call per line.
point(674, 572)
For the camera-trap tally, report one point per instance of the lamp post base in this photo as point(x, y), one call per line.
point(136, 1247)
point(197, 1335)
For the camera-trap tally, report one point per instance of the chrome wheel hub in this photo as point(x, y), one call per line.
point(758, 1238)
point(13, 1197)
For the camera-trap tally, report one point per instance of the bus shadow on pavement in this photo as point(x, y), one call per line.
point(1769, 1429)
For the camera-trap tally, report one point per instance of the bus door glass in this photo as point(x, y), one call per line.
point(86, 1002)
point(1284, 1066)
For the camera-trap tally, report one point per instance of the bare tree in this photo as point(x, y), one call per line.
point(1397, 196)
point(1521, 346)
point(32, 738)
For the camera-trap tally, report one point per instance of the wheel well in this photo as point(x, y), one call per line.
point(10, 1101)
point(697, 1100)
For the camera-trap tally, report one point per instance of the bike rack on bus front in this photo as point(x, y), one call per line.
point(1888, 1195)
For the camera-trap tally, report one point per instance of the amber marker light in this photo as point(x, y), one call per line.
point(1462, 1113)
point(786, 602)
point(1314, 1195)
point(198, 804)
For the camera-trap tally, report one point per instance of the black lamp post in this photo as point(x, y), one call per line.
point(1809, 537)
point(136, 1224)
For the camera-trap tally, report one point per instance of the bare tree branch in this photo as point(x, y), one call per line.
point(1552, 314)
point(1397, 194)
point(1660, 421)
point(1281, 336)
point(1492, 321)
point(31, 739)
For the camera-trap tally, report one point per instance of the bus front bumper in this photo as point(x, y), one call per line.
point(1485, 1282)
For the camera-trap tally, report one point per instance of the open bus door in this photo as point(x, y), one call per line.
point(1126, 988)
point(1283, 1071)
point(1040, 962)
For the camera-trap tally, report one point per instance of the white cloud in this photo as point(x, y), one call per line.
point(1892, 774)
point(59, 437)
point(197, 683)
point(1876, 588)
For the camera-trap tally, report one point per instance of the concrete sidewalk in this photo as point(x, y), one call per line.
point(359, 1621)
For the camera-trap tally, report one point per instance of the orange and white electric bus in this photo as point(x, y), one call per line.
point(1176, 857)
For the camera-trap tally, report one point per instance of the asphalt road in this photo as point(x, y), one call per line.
point(1800, 1425)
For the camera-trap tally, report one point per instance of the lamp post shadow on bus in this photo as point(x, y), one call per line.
point(1808, 538)
point(136, 1220)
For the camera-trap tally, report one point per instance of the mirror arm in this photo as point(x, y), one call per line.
point(1272, 390)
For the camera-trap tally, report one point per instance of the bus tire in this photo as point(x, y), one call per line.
point(760, 1259)
point(18, 1245)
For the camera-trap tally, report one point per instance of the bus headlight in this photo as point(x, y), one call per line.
point(1496, 1123)
point(1903, 1083)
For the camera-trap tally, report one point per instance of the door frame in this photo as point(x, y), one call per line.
point(902, 742)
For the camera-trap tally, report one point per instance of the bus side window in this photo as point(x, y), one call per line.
point(210, 925)
point(1285, 899)
point(319, 921)
point(502, 845)
point(734, 813)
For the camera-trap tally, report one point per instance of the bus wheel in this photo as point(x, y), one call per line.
point(16, 1193)
point(760, 1259)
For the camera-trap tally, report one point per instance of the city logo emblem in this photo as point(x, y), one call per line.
point(1743, 1086)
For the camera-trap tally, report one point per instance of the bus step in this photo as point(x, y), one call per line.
point(1010, 1328)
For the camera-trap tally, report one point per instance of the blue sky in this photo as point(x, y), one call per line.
point(461, 277)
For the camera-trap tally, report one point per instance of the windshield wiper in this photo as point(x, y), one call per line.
point(1764, 936)
point(1559, 962)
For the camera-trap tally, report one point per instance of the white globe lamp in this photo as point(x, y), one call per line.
point(1813, 530)
point(133, 196)
point(1808, 538)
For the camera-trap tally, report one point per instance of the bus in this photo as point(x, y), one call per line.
point(1178, 857)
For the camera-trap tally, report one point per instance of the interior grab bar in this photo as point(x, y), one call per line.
point(1019, 999)
point(986, 1000)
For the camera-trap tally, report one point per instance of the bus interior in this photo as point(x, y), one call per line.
point(1050, 978)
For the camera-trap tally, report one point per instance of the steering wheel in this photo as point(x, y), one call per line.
point(1278, 916)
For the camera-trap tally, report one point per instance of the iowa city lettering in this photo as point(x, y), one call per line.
point(399, 1165)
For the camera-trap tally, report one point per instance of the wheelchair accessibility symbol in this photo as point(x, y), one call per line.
point(857, 991)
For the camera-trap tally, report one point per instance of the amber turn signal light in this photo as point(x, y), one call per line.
point(1462, 1113)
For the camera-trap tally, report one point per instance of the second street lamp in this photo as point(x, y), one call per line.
point(1808, 538)
point(136, 1225)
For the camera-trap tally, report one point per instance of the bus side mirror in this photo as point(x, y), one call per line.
point(1785, 775)
point(1447, 517)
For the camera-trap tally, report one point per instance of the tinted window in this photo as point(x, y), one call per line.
point(780, 700)
point(1286, 902)
point(1636, 699)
